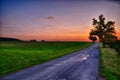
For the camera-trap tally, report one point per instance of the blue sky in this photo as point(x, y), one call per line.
point(67, 20)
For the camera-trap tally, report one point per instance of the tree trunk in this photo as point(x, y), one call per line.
point(103, 43)
point(101, 39)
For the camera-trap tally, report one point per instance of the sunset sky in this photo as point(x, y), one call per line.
point(55, 20)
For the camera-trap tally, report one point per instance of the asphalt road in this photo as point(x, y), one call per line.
point(80, 65)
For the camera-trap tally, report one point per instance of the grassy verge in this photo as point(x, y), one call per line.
point(109, 64)
point(18, 55)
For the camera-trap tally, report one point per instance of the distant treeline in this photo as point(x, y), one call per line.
point(15, 39)
point(9, 39)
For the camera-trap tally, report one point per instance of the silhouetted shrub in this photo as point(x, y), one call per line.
point(116, 45)
point(43, 41)
point(33, 40)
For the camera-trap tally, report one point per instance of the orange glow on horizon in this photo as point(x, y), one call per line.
point(64, 37)
point(60, 36)
point(118, 35)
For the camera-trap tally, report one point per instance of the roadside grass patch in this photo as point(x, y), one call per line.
point(18, 55)
point(109, 63)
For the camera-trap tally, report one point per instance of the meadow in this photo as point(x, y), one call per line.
point(19, 55)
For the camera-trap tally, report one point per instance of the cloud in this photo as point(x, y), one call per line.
point(51, 18)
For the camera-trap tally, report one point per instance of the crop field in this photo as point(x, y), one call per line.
point(18, 55)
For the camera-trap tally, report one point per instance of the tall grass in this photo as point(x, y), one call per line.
point(109, 64)
point(17, 55)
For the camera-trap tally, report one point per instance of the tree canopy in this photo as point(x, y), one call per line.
point(104, 31)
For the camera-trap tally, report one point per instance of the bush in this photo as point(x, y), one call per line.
point(116, 45)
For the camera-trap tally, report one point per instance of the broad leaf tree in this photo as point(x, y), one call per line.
point(104, 31)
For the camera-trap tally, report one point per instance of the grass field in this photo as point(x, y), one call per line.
point(18, 55)
point(109, 64)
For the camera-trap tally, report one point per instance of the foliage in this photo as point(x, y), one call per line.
point(17, 55)
point(109, 64)
point(116, 45)
point(104, 31)
point(93, 38)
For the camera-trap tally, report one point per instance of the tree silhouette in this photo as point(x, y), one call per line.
point(93, 38)
point(104, 31)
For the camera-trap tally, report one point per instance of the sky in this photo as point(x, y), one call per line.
point(55, 20)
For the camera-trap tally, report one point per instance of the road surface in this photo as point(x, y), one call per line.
point(80, 65)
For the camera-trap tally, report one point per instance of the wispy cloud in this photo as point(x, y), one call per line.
point(51, 18)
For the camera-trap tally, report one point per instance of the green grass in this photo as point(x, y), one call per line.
point(109, 64)
point(18, 55)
